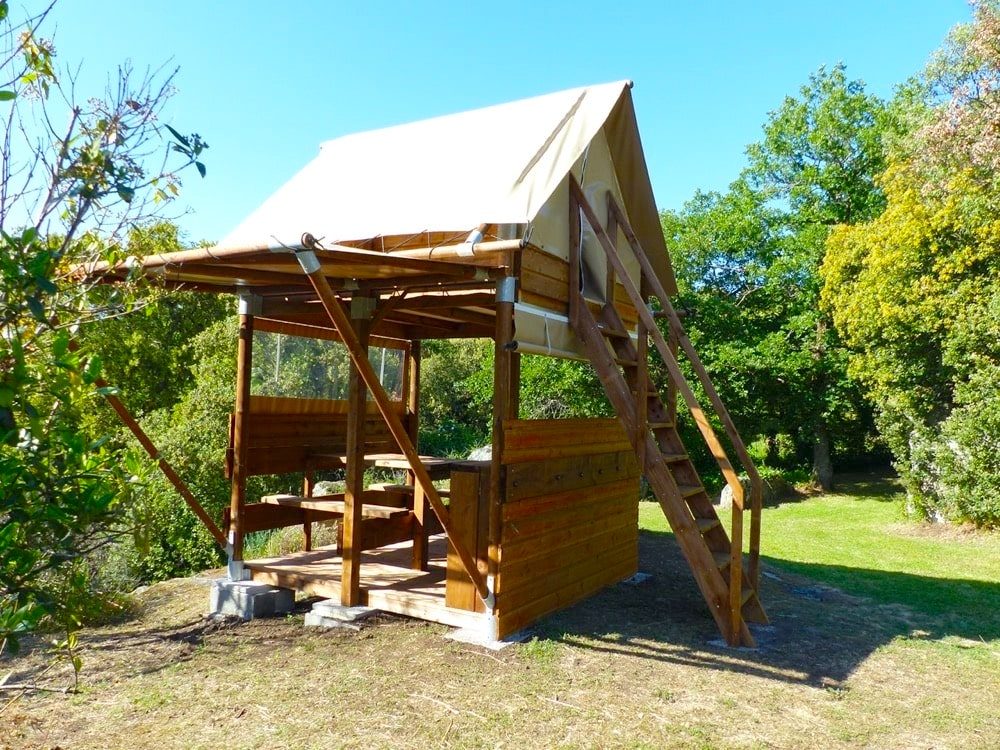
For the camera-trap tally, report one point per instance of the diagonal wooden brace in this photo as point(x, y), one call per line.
point(168, 471)
point(314, 271)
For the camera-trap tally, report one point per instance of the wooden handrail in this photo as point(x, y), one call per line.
point(756, 483)
point(648, 321)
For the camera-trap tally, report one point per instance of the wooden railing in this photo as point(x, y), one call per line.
point(650, 280)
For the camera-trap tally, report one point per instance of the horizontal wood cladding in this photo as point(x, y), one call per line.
point(285, 435)
point(285, 405)
point(569, 521)
point(544, 282)
point(528, 440)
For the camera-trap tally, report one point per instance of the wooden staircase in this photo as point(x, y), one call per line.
point(648, 416)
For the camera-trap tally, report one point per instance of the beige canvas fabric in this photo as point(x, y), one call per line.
point(498, 165)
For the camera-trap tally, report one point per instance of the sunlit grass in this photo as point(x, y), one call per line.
point(859, 540)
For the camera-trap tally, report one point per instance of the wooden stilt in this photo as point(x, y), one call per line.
point(350, 582)
point(419, 498)
point(308, 485)
point(237, 496)
point(505, 399)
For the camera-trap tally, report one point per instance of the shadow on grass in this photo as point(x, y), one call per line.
point(818, 634)
point(883, 486)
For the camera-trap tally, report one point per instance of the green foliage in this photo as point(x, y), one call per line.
point(748, 269)
point(65, 486)
point(560, 389)
point(456, 386)
point(913, 291)
point(146, 352)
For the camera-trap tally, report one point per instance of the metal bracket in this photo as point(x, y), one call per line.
point(490, 600)
point(251, 304)
point(308, 260)
point(507, 289)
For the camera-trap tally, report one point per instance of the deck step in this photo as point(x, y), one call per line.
point(707, 524)
point(659, 424)
point(622, 362)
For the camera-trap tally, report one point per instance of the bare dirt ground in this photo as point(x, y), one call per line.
point(636, 667)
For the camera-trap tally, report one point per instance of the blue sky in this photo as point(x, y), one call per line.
point(265, 83)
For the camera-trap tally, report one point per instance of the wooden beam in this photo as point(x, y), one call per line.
point(575, 253)
point(350, 580)
point(420, 551)
point(457, 300)
point(168, 471)
point(269, 325)
point(503, 400)
point(400, 435)
point(495, 253)
point(237, 494)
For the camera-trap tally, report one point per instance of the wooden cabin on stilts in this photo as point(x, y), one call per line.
point(532, 224)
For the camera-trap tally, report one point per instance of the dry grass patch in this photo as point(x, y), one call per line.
point(634, 667)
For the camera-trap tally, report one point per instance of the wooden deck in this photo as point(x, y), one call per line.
point(387, 580)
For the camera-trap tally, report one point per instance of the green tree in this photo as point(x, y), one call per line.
point(68, 196)
point(913, 291)
point(748, 265)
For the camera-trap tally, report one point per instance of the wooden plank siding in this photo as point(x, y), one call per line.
point(285, 435)
point(569, 518)
point(544, 282)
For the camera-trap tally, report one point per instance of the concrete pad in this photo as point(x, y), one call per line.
point(479, 637)
point(247, 600)
point(637, 579)
point(328, 614)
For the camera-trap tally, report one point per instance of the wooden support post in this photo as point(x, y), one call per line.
point(308, 486)
point(671, 404)
point(575, 253)
point(420, 559)
point(314, 271)
point(350, 579)
point(505, 399)
point(613, 234)
point(642, 391)
point(238, 482)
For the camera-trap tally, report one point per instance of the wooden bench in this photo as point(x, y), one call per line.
point(333, 505)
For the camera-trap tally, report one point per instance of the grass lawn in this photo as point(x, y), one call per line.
point(859, 541)
point(883, 634)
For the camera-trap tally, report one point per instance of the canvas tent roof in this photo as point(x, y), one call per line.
point(496, 165)
point(385, 202)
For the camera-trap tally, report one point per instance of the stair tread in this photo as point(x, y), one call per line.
point(687, 490)
point(674, 457)
point(707, 524)
point(659, 424)
point(722, 559)
point(614, 333)
point(622, 362)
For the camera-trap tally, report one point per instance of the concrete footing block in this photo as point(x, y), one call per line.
point(484, 639)
point(247, 600)
point(327, 614)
